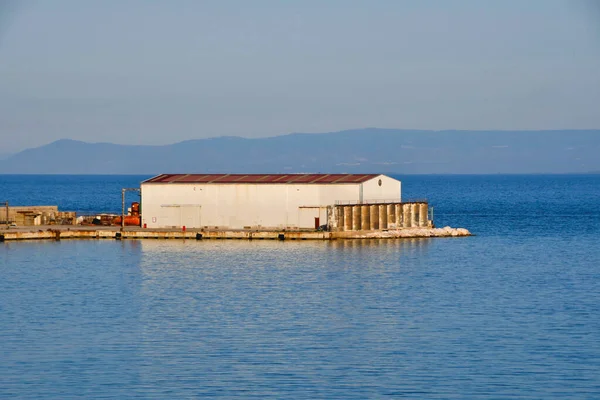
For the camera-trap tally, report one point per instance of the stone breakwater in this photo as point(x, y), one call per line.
point(417, 233)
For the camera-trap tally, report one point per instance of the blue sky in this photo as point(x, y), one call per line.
point(157, 72)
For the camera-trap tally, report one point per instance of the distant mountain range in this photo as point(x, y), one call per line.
point(354, 151)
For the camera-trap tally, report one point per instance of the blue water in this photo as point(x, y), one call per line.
point(511, 313)
point(85, 194)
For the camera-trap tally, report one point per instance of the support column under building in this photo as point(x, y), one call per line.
point(423, 215)
point(366, 218)
point(356, 218)
point(374, 217)
point(339, 218)
point(414, 218)
point(383, 216)
point(406, 215)
point(399, 218)
point(347, 218)
point(391, 216)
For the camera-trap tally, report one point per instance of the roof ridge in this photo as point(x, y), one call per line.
point(302, 178)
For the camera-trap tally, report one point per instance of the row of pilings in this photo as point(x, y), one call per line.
point(357, 217)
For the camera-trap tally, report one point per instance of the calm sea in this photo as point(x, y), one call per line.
point(511, 313)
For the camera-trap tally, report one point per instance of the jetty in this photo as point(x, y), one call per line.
point(60, 232)
point(243, 206)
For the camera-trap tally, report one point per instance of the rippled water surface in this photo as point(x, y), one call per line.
point(513, 312)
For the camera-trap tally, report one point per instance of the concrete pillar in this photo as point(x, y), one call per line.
point(406, 215)
point(374, 217)
point(347, 218)
point(339, 218)
point(398, 208)
point(414, 210)
point(415, 215)
point(366, 218)
point(356, 218)
point(423, 215)
point(383, 217)
point(391, 216)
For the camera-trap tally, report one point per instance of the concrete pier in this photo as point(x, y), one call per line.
point(361, 220)
point(110, 232)
point(140, 233)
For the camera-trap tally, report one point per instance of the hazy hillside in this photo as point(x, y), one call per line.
point(365, 150)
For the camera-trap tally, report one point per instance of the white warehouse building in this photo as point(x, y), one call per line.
point(238, 201)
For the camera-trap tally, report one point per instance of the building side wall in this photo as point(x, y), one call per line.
point(389, 190)
point(239, 206)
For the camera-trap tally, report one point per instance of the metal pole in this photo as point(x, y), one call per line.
point(123, 209)
point(7, 223)
point(123, 190)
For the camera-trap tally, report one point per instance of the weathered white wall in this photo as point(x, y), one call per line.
point(389, 189)
point(238, 206)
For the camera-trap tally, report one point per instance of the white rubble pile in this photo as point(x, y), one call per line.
point(419, 232)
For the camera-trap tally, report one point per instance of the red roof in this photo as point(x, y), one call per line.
point(262, 178)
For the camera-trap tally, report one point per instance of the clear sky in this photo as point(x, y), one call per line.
point(162, 71)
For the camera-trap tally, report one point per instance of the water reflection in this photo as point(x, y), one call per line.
point(160, 248)
point(248, 312)
point(239, 257)
point(425, 318)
